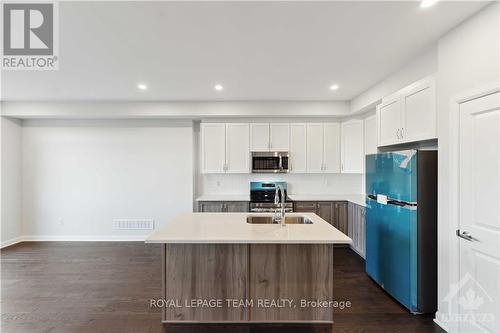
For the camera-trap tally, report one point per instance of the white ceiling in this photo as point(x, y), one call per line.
point(256, 50)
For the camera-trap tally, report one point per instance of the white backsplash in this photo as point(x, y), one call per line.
point(297, 183)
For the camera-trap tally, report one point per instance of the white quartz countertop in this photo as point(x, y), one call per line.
point(227, 228)
point(358, 199)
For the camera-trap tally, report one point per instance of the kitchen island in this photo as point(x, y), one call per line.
point(219, 268)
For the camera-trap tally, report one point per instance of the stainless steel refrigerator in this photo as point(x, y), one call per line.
point(401, 226)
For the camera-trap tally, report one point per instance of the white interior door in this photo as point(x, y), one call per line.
point(280, 137)
point(237, 148)
point(259, 137)
point(479, 215)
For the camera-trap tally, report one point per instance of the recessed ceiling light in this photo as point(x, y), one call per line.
point(428, 3)
point(142, 86)
point(334, 87)
point(218, 87)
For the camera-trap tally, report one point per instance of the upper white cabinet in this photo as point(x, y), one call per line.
point(259, 137)
point(298, 148)
point(279, 137)
point(352, 152)
point(237, 144)
point(371, 135)
point(408, 115)
point(213, 148)
point(389, 121)
point(269, 137)
point(323, 147)
point(331, 143)
point(315, 147)
point(225, 148)
point(419, 111)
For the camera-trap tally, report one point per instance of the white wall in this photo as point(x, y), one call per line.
point(423, 65)
point(182, 110)
point(80, 175)
point(468, 58)
point(11, 199)
point(297, 183)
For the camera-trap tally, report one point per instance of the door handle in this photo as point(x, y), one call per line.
point(465, 235)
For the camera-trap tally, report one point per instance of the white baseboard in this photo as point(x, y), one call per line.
point(440, 323)
point(12, 241)
point(46, 238)
point(355, 250)
point(110, 238)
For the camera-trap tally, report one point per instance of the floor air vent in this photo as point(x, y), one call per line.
point(133, 224)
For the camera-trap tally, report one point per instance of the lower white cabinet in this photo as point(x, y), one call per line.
point(225, 148)
point(352, 150)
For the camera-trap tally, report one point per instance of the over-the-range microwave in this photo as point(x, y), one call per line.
point(270, 162)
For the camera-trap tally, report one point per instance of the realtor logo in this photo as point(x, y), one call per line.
point(29, 36)
point(473, 304)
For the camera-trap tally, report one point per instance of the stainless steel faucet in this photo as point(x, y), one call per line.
point(281, 191)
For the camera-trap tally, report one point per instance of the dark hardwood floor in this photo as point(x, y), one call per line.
point(106, 287)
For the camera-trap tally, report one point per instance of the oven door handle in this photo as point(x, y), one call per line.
point(280, 163)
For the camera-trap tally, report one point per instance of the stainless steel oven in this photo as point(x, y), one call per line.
point(270, 162)
point(262, 197)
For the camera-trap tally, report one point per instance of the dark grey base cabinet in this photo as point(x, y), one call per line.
point(345, 216)
point(223, 206)
point(356, 227)
point(333, 212)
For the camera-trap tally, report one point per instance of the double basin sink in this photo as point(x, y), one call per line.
point(265, 219)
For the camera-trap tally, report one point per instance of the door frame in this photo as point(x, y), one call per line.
point(453, 186)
